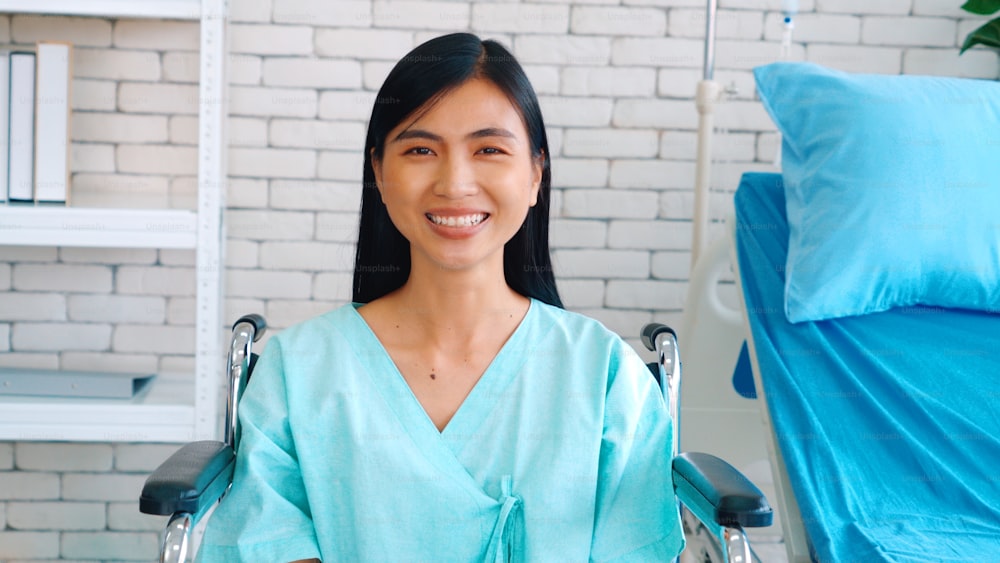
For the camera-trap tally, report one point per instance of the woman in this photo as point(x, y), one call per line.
point(454, 411)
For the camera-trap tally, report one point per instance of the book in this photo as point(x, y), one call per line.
point(21, 131)
point(4, 115)
point(52, 120)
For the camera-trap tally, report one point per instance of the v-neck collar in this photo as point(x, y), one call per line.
point(477, 404)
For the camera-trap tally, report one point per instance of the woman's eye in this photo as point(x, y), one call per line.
point(490, 150)
point(419, 151)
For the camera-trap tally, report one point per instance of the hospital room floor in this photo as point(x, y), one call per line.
point(770, 551)
point(767, 545)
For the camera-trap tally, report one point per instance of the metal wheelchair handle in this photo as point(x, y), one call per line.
point(651, 331)
point(662, 339)
point(258, 322)
point(247, 330)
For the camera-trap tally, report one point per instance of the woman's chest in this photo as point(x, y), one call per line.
point(441, 382)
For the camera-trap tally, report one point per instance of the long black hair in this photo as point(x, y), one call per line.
point(428, 72)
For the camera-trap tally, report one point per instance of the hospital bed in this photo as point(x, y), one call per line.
point(884, 429)
point(869, 278)
point(189, 483)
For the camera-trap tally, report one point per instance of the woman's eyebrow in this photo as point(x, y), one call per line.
point(491, 132)
point(478, 134)
point(417, 134)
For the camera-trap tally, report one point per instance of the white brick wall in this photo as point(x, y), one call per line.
point(23, 306)
point(156, 35)
point(312, 73)
point(115, 127)
point(281, 163)
point(908, 31)
point(893, 7)
point(608, 20)
point(613, 143)
point(609, 204)
point(729, 24)
point(92, 158)
point(616, 81)
point(562, 49)
point(62, 277)
point(315, 196)
point(85, 32)
point(576, 233)
point(575, 112)
point(42, 337)
point(93, 94)
point(155, 280)
point(270, 39)
point(162, 98)
point(446, 16)
point(318, 12)
point(114, 64)
point(519, 18)
point(109, 362)
point(608, 81)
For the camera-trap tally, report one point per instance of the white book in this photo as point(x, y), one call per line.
point(4, 121)
point(21, 144)
point(52, 114)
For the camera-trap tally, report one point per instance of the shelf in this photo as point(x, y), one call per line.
point(159, 9)
point(27, 225)
point(169, 411)
point(164, 414)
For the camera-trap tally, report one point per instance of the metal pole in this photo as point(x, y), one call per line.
point(708, 94)
point(708, 68)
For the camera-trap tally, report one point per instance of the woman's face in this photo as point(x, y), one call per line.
point(459, 179)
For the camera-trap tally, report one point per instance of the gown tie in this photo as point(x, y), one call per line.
point(507, 543)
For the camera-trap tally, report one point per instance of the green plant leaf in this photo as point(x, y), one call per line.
point(988, 35)
point(981, 7)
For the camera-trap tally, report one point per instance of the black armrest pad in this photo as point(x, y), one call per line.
point(733, 497)
point(654, 368)
point(194, 477)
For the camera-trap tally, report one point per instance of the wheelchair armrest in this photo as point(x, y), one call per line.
point(190, 480)
point(709, 486)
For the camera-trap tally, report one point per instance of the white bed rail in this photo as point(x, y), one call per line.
point(715, 418)
point(787, 512)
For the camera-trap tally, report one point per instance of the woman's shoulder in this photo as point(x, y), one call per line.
point(574, 323)
point(586, 341)
point(329, 328)
point(582, 335)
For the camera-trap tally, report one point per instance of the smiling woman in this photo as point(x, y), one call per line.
point(462, 171)
point(454, 411)
point(415, 86)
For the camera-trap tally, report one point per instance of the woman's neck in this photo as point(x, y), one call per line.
point(457, 306)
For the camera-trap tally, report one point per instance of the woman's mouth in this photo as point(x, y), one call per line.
point(469, 220)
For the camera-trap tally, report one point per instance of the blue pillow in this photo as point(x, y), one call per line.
point(893, 190)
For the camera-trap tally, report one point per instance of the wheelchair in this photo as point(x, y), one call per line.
point(717, 501)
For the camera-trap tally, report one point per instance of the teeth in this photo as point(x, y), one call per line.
point(461, 221)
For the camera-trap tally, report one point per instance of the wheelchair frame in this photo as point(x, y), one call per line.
point(190, 481)
point(193, 479)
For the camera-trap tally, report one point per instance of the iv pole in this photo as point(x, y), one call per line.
point(707, 96)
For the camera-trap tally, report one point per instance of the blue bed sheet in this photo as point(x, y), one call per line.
point(889, 423)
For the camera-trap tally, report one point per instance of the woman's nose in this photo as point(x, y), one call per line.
point(456, 179)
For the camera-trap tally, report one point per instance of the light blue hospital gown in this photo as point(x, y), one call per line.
point(561, 452)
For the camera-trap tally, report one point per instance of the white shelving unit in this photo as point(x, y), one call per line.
point(155, 9)
point(177, 408)
point(22, 225)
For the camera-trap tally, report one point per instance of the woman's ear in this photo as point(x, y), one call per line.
point(537, 165)
point(376, 170)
